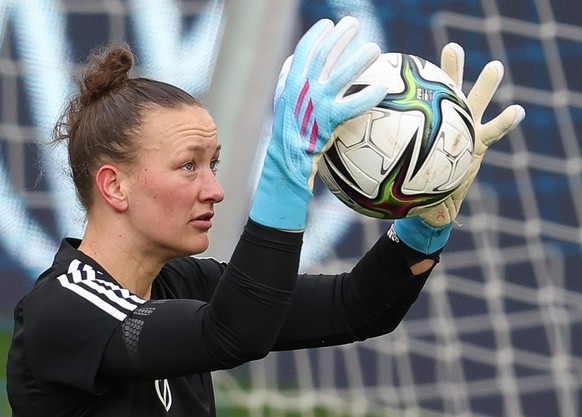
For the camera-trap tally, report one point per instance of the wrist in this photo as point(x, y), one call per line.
point(280, 202)
point(421, 236)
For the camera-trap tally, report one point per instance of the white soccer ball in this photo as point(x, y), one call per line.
point(409, 152)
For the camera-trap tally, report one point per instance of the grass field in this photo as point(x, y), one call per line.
point(267, 412)
point(5, 336)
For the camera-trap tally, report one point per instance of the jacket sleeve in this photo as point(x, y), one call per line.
point(168, 338)
point(369, 301)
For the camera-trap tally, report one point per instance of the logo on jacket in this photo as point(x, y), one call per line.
point(392, 234)
point(164, 393)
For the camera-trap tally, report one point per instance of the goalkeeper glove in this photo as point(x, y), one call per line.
point(430, 231)
point(309, 105)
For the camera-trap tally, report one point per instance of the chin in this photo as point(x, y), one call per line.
point(188, 245)
point(186, 251)
point(198, 246)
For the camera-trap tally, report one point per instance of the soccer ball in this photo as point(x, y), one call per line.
point(409, 152)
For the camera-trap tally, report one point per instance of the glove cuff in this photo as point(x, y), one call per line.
point(420, 236)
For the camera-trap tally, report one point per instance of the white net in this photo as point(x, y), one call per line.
point(498, 328)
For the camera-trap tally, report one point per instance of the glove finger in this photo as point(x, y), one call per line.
point(368, 97)
point(507, 120)
point(453, 62)
point(281, 81)
point(350, 69)
point(362, 101)
point(309, 44)
point(333, 47)
point(485, 87)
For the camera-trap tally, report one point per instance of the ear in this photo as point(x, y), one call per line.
point(109, 181)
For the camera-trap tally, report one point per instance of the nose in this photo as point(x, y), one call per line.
point(211, 189)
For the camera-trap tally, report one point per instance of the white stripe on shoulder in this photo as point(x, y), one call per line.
point(109, 297)
point(124, 292)
point(92, 298)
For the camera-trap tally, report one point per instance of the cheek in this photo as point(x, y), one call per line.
point(167, 195)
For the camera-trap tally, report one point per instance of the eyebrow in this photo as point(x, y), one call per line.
point(198, 148)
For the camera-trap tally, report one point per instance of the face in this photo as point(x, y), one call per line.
point(173, 185)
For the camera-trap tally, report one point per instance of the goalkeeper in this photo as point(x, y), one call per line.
point(127, 323)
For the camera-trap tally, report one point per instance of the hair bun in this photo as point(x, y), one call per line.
point(106, 69)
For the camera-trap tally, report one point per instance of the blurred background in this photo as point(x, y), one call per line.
point(498, 328)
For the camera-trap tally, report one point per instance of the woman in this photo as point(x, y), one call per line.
point(126, 322)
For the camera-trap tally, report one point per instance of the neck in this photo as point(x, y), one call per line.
point(116, 251)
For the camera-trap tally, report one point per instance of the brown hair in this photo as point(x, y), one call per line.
point(102, 122)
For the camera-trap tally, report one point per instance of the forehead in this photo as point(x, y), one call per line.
point(171, 127)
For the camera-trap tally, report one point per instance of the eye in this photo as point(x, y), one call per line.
point(214, 165)
point(188, 166)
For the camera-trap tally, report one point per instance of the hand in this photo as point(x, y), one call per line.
point(430, 231)
point(308, 106)
point(452, 59)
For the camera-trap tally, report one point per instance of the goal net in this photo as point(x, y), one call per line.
point(497, 331)
point(498, 328)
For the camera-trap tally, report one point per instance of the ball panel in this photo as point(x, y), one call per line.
point(341, 192)
point(354, 131)
point(448, 159)
point(385, 71)
point(361, 162)
point(392, 132)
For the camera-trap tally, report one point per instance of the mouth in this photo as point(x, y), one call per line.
point(202, 221)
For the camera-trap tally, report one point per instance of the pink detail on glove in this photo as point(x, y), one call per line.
point(306, 118)
point(302, 95)
point(313, 138)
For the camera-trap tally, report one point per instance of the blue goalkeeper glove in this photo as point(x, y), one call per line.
point(309, 105)
point(430, 231)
